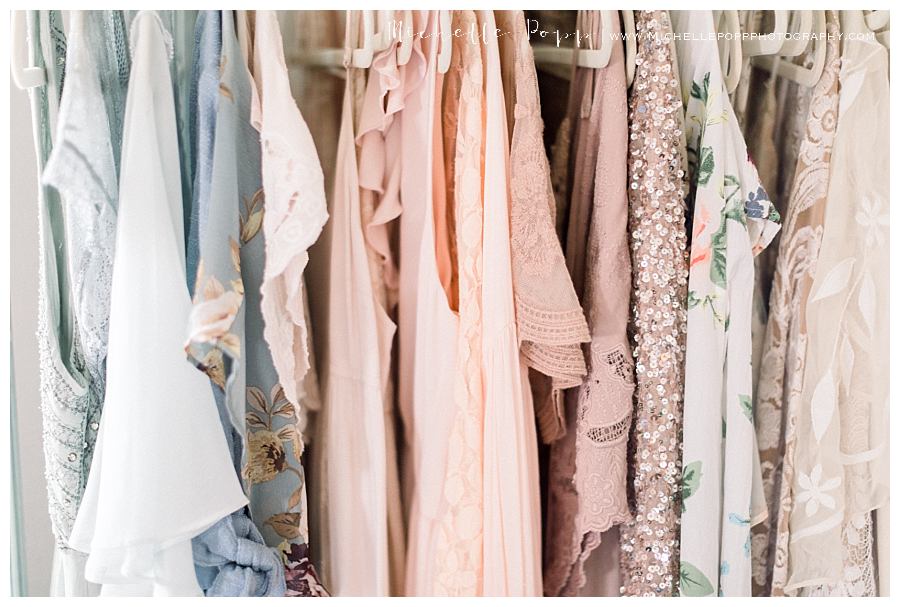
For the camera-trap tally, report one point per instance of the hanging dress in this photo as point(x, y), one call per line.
point(231, 557)
point(427, 326)
point(378, 143)
point(291, 173)
point(841, 451)
point(353, 376)
point(656, 163)
point(70, 410)
point(781, 373)
point(588, 465)
point(161, 472)
point(279, 221)
point(459, 557)
point(733, 220)
point(512, 537)
point(549, 317)
point(84, 170)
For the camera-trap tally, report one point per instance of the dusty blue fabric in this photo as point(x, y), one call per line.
point(231, 558)
point(181, 26)
point(204, 99)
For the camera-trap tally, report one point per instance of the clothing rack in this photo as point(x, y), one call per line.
point(620, 294)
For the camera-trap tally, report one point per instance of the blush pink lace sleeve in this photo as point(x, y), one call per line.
point(589, 470)
point(550, 322)
point(295, 207)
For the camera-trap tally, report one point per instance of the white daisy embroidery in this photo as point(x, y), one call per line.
point(815, 492)
point(870, 217)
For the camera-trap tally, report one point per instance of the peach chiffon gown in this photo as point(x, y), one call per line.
point(509, 513)
point(427, 326)
point(512, 562)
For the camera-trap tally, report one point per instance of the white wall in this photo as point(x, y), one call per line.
point(23, 286)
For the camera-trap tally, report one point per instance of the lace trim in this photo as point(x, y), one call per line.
point(552, 328)
point(564, 364)
point(782, 370)
point(619, 366)
point(549, 331)
point(859, 562)
point(609, 434)
point(459, 558)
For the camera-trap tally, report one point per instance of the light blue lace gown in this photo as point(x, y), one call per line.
point(77, 233)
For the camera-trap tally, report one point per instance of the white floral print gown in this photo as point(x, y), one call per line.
point(733, 220)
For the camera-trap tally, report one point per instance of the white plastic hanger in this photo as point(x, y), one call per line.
point(875, 20)
point(854, 22)
point(334, 57)
point(730, 51)
point(382, 37)
point(24, 76)
point(630, 45)
point(445, 51)
point(362, 57)
point(404, 52)
point(796, 45)
point(880, 23)
point(769, 45)
point(797, 73)
point(590, 57)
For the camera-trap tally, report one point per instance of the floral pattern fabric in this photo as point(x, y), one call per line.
point(226, 191)
point(226, 334)
point(733, 220)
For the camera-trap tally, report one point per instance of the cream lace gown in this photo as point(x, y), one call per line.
point(733, 220)
point(786, 333)
point(841, 460)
